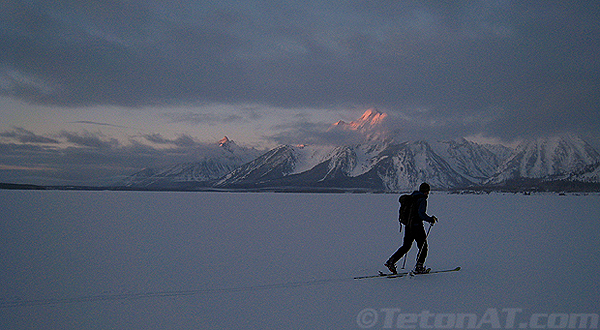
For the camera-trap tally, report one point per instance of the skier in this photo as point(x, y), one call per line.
point(415, 231)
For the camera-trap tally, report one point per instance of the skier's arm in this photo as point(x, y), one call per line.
point(423, 212)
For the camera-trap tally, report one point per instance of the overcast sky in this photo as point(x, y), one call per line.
point(136, 78)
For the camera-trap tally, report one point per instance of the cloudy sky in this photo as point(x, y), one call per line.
point(102, 88)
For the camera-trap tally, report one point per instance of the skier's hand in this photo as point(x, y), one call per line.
point(435, 219)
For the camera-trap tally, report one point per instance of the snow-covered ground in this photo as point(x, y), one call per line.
point(137, 260)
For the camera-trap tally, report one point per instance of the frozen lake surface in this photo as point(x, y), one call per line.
point(144, 260)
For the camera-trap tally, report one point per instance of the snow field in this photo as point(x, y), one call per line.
point(142, 260)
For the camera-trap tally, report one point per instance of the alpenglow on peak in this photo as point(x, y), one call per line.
point(369, 119)
point(224, 141)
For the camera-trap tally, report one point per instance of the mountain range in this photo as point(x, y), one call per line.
point(563, 162)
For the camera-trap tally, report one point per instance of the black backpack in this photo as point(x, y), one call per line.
point(406, 207)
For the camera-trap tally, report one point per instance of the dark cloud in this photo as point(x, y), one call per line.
point(22, 135)
point(196, 118)
point(157, 138)
point(87, 122)
point(89, 140)
point(532, 62)
point(308, 133)
point(181, 141)
point(420, 124)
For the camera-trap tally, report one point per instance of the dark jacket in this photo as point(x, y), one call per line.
point(419, 214)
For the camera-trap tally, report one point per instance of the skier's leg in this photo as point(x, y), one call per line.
point(421, 238)
point(406, 245)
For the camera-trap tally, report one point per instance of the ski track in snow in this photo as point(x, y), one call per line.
point(142, 260)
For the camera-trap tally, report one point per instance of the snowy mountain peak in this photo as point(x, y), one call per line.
point(224, 142)
point(229, 145)
point(211, 163)
point(369, 127)
point(548, 157)
point(380, 165)
point(368, 120)
point(372, 116)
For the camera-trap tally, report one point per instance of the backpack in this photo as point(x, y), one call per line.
point(406, 206)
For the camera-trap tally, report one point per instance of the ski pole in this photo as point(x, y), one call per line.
point(425, 242)
point(404, 262)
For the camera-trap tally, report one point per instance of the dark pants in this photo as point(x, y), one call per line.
point(411, 234)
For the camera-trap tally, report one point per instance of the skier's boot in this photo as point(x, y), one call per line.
point(391, 266)
point(420, 269)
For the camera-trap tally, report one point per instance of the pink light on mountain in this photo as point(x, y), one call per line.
point(370, 119)
point(224, 141)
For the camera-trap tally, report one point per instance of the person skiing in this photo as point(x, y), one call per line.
point(415, 231)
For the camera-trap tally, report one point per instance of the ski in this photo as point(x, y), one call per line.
point(436, 271)
point(402, 274)
point(382, 274)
